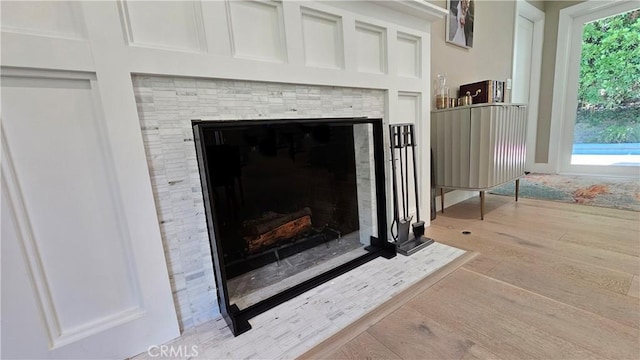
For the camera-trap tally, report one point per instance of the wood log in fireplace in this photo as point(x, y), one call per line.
point(273, 228)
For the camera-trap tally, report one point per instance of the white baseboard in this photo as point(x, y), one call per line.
point(541, 168)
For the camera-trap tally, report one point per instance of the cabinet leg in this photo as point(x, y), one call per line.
point(517, 188)
point(442, 200)
point(481, 205)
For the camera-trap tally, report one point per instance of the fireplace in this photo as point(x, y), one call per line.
point(290, 203)
point(166, 107)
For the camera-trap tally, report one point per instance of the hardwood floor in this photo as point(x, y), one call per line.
point(550, 281)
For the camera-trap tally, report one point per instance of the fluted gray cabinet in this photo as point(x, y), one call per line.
point(478, 147)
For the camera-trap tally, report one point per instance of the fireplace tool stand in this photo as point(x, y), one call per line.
point(403, 138)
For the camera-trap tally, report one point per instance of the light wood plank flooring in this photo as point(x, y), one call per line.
point(550, 281)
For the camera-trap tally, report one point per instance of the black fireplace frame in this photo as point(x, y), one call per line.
point(238, 319)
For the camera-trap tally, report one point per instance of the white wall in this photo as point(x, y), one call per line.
point(272, 41)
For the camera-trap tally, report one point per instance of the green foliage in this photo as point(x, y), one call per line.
point(621, 116)
point(616, 134)
point(610, 63)
point(607, 126)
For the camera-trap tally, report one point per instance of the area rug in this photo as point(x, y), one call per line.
point(611, 192)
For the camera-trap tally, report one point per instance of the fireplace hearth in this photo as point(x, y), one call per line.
point(290, 204)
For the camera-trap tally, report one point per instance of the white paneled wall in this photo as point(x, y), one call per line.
point(367, 45)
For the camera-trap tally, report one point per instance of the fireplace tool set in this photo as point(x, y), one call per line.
point(402, 138)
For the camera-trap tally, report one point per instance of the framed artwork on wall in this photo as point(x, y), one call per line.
point(460, 22)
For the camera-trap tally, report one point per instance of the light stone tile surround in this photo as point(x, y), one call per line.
point(166, 106)
point(294, 327)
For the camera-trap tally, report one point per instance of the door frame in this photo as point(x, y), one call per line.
point(565, 88)
point(536, 16)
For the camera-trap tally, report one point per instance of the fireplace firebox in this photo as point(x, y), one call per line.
point(290, 204)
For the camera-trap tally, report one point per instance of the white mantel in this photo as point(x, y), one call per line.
point(352, 44)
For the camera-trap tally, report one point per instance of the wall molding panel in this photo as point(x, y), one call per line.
point(12, 193)
point(168, 25)
point(409, 55)
point(256, 30)
point(56, 19)
point(56, 284)
point(372, 48)
point(409, 106)
point(322, 38)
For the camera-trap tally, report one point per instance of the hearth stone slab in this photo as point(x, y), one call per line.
point(294, 327)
